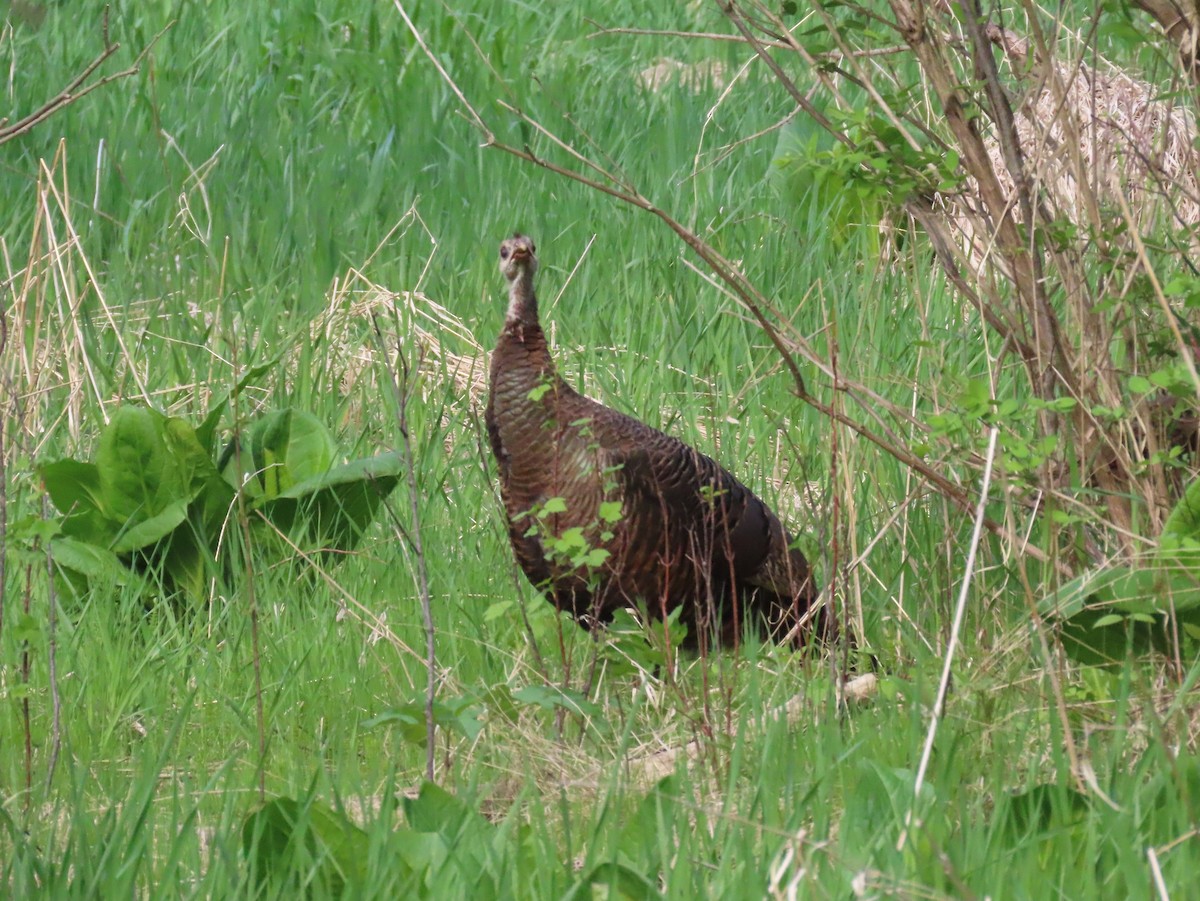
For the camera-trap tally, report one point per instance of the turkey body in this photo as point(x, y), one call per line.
point(606, 512)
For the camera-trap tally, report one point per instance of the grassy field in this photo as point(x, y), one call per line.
point(271, 176)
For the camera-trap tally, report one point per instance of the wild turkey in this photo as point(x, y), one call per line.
point(605, 511)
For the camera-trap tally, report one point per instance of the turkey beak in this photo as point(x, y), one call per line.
point(520, 253)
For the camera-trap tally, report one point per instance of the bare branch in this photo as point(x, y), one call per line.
point(76, 90)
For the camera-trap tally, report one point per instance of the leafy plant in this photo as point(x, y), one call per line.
point(446, 850)
point(154, 505)
point(1107, 612)
point(305, 847)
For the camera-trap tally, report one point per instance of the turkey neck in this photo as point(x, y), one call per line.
point(522, 303)
point(522, 337)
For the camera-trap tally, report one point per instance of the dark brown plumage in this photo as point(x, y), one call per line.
point(604, 511)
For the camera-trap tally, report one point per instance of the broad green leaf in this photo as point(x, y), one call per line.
point(73, 485)
point(148, 465)
point(288, 447)
point(550, 697)
point(91, 561)
point(33, 531)
point(186, 562)
point(459, 715)
point(1184, 520)
point(497, 610)
point(420, 852)
point(305, 846)
point(436, 810)
point(649, 836)
point(615, 880)
point(206, 434)
point(1139, 384)
point(135, 473)
point(572, 538)
point(150, 531)
point(1089, 607)
point(1155, 589)
point(189, 457)
point(594, 557)
point(408, 719)
point(469, 836)
point(339, 504)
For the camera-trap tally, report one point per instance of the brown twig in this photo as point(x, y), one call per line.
point(75, 89)
point(723, 37)
point(400, 382)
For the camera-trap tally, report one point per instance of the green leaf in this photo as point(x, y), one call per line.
point(83, 565)
point(1184, 520)
point(539, 392)
point(554, 505)
point(137, 479)
point(610, 511)
point(150, 468)
point(409, 720)
point(289, 446)
point(497, 610)
point(976, 396)
point(650, 836)
point(550, 697)
point(26, 629)
point(459, 714)
point(435, 810)
point(1062, 404)
point(33, 530)
point(152, 530)
point(571, 538)
point(338, 504)
point(618, 880)
point(73, 485)
point(206, 434)
point(595, 557)
point(1139, 384)
point(305, 846)
point(1139, 598)
point(420, 852)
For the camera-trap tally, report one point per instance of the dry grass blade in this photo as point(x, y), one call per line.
point(53, 294)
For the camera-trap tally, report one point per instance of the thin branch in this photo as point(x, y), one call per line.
point(952, 644)
point(75, 89)
point(400, 381)
point(604, 31)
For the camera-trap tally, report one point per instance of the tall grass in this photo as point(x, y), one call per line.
point(263, 167)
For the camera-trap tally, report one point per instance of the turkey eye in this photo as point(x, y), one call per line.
point(504, 253)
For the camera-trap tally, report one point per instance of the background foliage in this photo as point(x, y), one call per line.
point(275, 183)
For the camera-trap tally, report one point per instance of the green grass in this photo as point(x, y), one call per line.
point(262, 153)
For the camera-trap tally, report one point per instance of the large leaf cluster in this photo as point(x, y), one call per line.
point(156, 505)
point(1112, 610)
